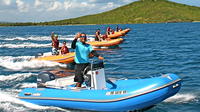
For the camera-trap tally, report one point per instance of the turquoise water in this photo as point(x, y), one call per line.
point(148, 50)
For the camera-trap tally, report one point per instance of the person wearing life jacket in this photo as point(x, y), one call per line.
point(98, 35)
point(55, 44)
point(82, 53)
point(105, 37)
point(108, 31)
point(113, 31)
point(64, 49)
point(117, 28)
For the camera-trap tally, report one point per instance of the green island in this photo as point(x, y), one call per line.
point(142, 11)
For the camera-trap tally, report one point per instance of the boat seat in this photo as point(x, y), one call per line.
point(55, 79)
point(61, 82)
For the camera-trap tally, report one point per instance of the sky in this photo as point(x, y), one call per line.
point(50, 10)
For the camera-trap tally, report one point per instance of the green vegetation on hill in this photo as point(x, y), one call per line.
point(142, 11)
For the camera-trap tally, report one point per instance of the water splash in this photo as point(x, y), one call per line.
point(28, 45)
point(35, 38)
point(23, 62)
point(181, 98)
point(9, 103)
point(26, 85)
point(25, 45)
point(15, 77)
point(38, 38)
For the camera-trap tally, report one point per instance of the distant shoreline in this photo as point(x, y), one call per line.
point(12, 25)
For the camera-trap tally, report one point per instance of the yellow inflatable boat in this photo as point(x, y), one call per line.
point(66, 58)
point(119, 33)
point(107, 43)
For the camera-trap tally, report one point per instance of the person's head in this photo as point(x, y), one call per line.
point(55, 36)
point(83, 38)
point(64, 42)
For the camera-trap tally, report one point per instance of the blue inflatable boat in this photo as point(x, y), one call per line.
point(99, 94)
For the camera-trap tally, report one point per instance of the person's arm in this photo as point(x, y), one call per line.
point(52, 35)
point(67, 50)
point(73, 46)
point(94, 53)
point(99, 37)
point(61, 50)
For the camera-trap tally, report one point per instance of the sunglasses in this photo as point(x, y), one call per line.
point(82, 36)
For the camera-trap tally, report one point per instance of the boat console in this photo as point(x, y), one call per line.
point(94, 76)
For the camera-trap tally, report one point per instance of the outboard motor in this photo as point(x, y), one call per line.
point(43, 77)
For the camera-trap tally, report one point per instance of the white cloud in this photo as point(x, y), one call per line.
point(45, 10)
point(78, 5)
point(84, 4)
point(128, 1)
point(37, 3)
point(7, 2)
point(109, 5)
point(55, 6)
point(87, 5)
point(67, 5)
point(22, 7)
point(92, 0)
point(40, 6)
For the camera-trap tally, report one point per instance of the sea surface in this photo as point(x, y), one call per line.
point(148, 50)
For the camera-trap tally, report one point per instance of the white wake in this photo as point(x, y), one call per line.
point(15, 77)
point(23, 62)
point(182, 98)
point(24, 45)
point(10, 103)
point(38, 38)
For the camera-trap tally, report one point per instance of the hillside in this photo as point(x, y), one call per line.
point(143, 11)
